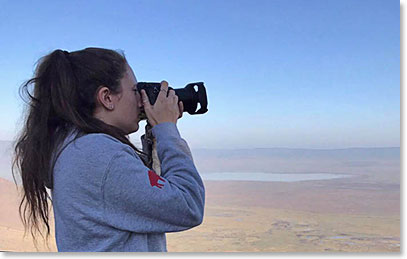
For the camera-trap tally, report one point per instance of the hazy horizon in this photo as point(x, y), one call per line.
point(275, 147)
point(275, 160)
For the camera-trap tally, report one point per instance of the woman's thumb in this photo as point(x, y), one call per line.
point(146, 102)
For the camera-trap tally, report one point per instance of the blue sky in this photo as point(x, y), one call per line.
point(298, 74)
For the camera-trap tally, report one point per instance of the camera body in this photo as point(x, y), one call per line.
point(191, 95)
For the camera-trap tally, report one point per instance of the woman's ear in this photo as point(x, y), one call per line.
point(105, 98)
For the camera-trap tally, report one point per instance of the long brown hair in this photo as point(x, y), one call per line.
point(63, 97)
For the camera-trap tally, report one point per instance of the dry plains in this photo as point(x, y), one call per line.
point(314, 216)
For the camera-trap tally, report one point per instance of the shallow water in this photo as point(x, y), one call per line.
point(269, 177)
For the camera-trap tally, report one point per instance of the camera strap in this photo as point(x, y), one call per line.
point(150, 148)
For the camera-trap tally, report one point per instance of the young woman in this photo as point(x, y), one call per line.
point(74, 142)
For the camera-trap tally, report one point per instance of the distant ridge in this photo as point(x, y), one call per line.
point(343, 153)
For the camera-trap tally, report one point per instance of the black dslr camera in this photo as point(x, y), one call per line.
point(191, 95)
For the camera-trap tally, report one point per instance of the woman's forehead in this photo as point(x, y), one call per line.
point(130, 73)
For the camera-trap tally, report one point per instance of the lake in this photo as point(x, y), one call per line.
point(269, 177)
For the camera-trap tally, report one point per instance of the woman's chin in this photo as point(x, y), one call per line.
point(135, 128)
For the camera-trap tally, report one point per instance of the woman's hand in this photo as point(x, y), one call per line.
point(165, 109)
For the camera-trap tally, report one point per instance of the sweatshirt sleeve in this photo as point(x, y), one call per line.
point(137, 199)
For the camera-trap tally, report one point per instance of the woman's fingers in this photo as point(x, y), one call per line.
point(181, 109)
point(166, 108)
point(146, 102)
point(163, 90)
point(173, 97)
point(171, 93)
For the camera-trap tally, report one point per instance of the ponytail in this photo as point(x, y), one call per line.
point(64, 89)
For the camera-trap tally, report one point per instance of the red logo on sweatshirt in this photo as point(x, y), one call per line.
point(154, 179)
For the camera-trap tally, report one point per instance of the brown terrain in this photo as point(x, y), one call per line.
point(359, 214)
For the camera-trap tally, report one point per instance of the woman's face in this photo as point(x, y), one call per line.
point(127, 108)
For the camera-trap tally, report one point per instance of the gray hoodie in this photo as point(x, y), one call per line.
point(105, 199)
